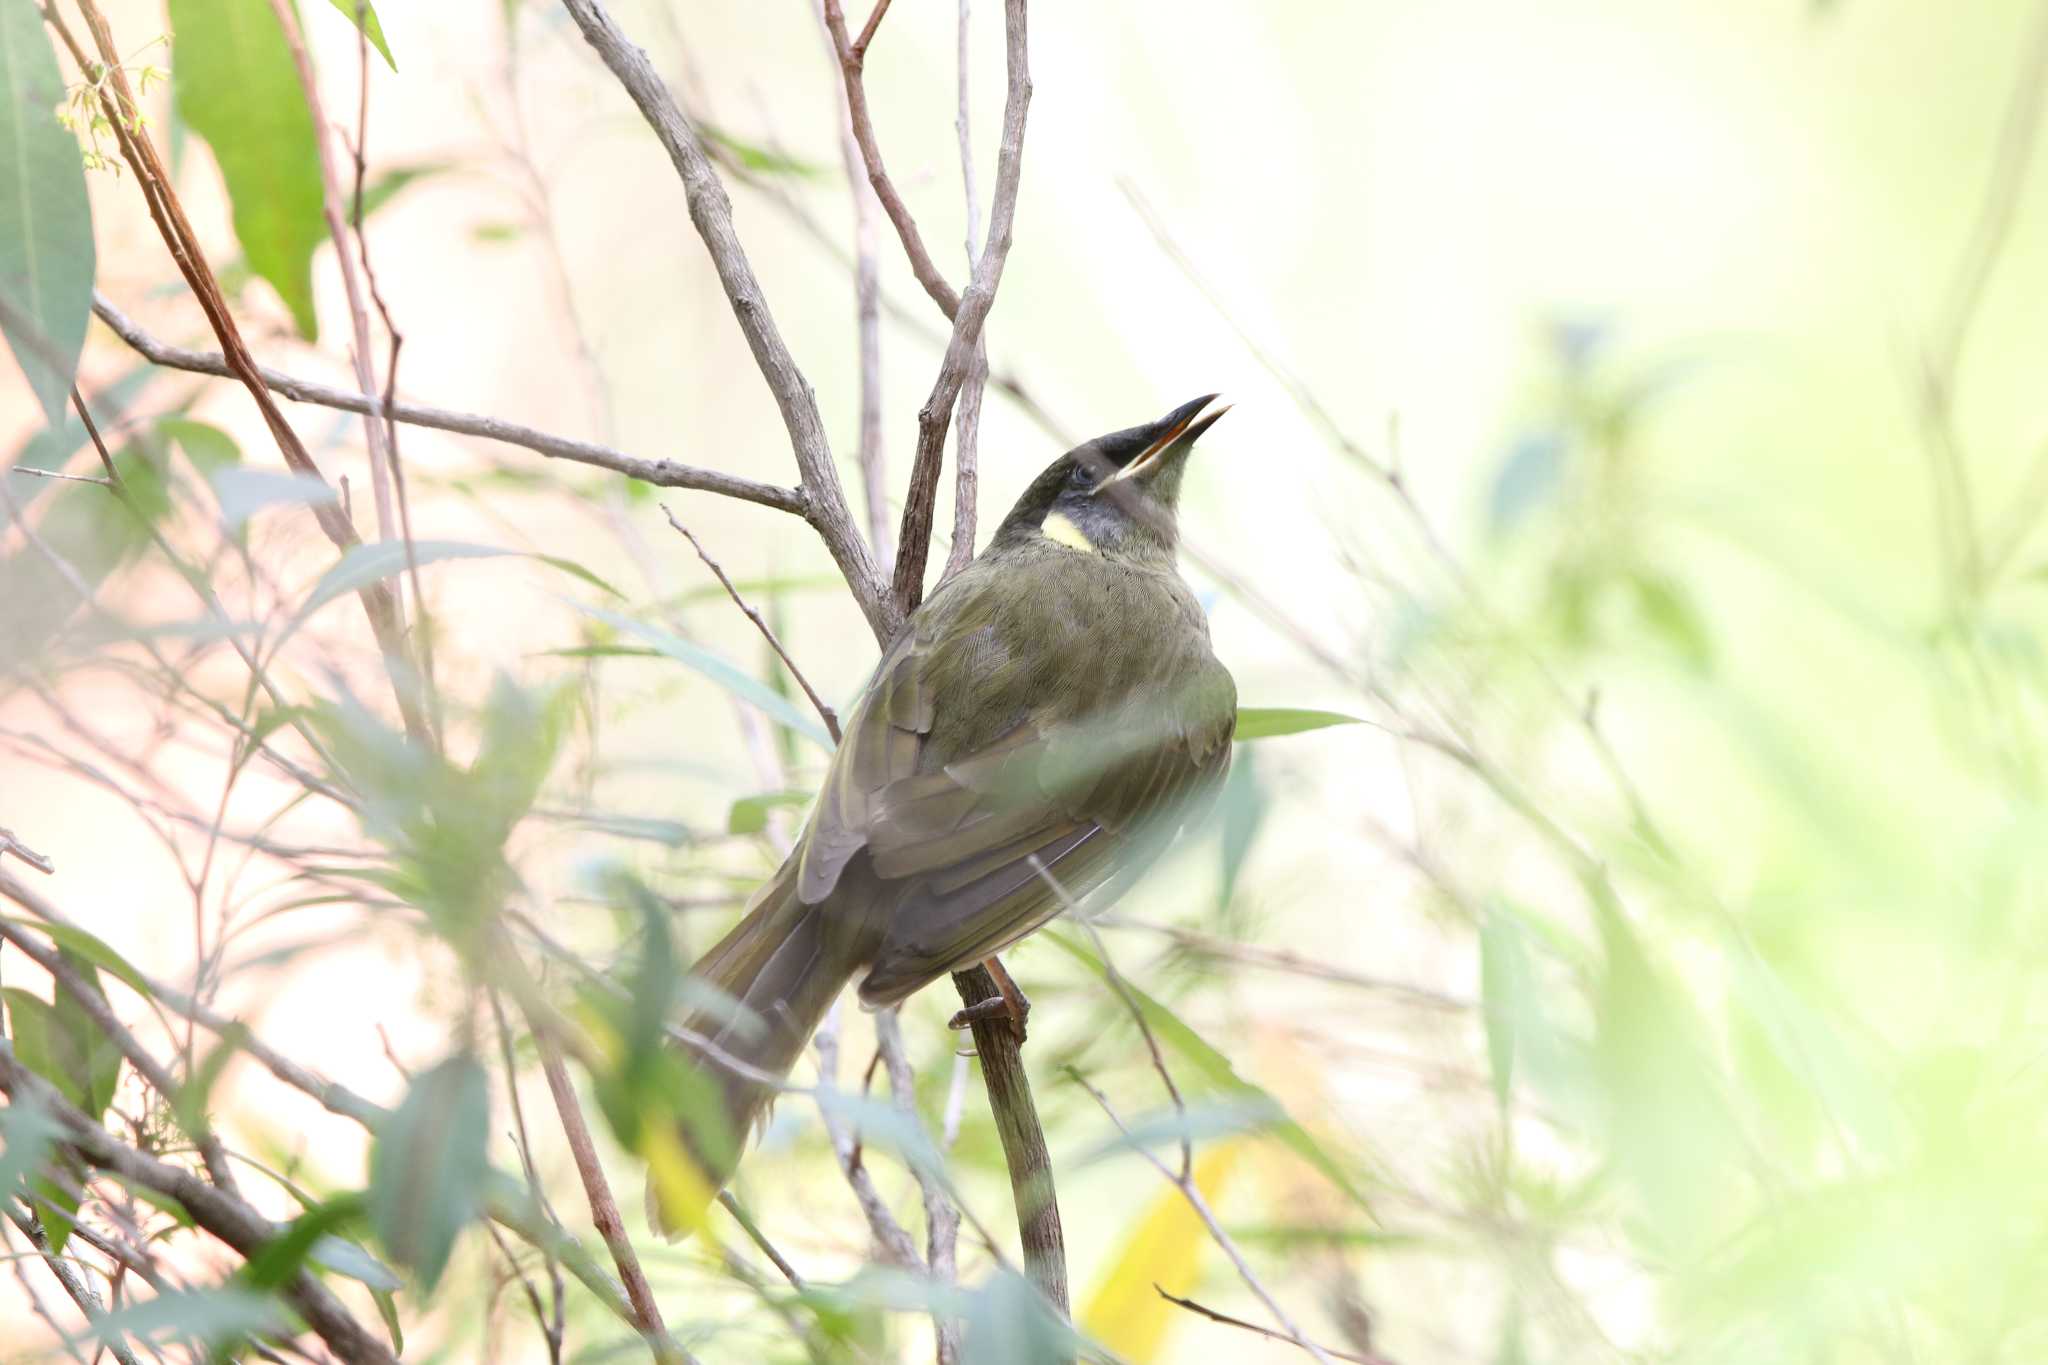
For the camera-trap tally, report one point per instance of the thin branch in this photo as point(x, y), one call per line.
point(1025, 1154)
point(662, 473)
point(711, 212)
point(73, 983)
point(1193, 1194)
point(867, 306)
point(1280, 960)
point(1266, 1332)
point(118, 103)
point(967, 440)
point(59, 474)
point(759, 1238)
point(941, 1218)
point(223, 1214)
point(74, 1284)
point(936, 416)
point(852, 60)
point(825, 713)
point(604, 1210)
point(10, 844)
point(888, 1233)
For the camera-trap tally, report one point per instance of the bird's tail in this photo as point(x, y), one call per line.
point(773, 977)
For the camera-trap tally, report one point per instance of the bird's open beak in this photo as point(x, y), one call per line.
point(1177, 431)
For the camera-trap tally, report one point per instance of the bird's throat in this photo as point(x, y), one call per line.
point(1061, 529)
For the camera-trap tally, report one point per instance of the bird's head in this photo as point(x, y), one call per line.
point(1116, 495)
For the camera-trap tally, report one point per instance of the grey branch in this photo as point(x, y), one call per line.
point(711, 212)
point(220, 1213)
point(935, 418)
point(664, 473)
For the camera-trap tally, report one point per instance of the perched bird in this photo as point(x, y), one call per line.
point(1041, 726)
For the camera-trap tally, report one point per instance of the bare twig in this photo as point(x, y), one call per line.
point(550, 1327)
point(223, 1214)
point(1280, 960)
point(1193, 1194)
point(942, 1220)
point(74, 1284)
point(825, 713)
point(117, 102)
point(711, 212)
point(61, 475)
point(662, 473)
point(936, 416)
point(604, 1210)
point(1267, 1332)
point(867, 301)
point(852, 54)
point(10, 844)
point(967, 439)
point(759, 1238)
point(888, 1233)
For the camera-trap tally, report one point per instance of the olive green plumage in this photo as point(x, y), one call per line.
point(1051, 709)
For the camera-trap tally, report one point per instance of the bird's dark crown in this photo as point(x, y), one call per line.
point(1115, 495)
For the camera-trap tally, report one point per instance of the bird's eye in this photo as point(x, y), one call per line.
point(1084, 475)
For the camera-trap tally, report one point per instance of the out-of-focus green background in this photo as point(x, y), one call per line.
point(1698, 1016)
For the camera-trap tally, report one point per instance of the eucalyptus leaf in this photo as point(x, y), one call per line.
point(1267, 722)
point(363, 14)
point(234, 84)
point(427, 1167)
point(721, 671)
point(46, 245)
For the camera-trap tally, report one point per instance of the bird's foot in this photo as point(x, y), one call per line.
point(1012, 1004)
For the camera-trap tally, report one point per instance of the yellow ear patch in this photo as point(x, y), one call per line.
point(1060, 529)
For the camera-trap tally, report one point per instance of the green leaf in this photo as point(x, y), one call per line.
point(378, 560)
point(53, 446)
point(365, 18)
point(1505, 983)
point(277, 1261)
point(242, 493)
point(428, 1168)
point(46, 246)
point(726, 674)
point(749, 814)
point(1266, 722)
point(28, 1130)
point(1531, 475)
point(208, 447)
point(213, 1316)
point(89, 946)
point(190, 1103)
point(1668, 611)
point(1216, 1070)
point(63, 1046)
point(387, 186)
point(234, 84)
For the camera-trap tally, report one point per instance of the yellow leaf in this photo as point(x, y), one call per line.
point(1125, 1313)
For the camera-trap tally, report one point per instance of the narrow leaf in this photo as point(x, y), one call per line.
point(234, 84)
point(428, 1167)
point(726, 674)
point(46, 247)
point(1265, 722)
point(363, 15)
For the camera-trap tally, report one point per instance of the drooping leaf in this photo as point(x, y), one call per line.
point(28, 1131)
point(385, 187)
point(721, 671)
point(234, 84)
point(242, 493)
point(1265, 722)
point(63, 1046)
point(428, 1167)
point(190, 1103)
point(46, 246)
point(89, 946)
point(364, 15)
point(378, 560)
point(1198, 1123)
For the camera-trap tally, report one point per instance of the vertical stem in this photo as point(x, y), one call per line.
point(1024, 1149)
